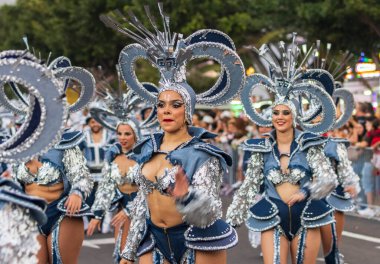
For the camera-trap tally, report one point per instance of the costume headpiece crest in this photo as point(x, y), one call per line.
point(169, 52)
point(290, 80)
point(123, 108)
point(45, 108)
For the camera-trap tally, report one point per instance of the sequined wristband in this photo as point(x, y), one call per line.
point(98, 214)
point(186, 199)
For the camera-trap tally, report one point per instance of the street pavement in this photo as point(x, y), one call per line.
point(361, 244)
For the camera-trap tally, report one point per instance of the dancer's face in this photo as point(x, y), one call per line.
point(282, 118)
point(171, 111)
point(126, 136)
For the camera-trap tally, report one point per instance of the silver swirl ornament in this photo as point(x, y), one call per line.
point(86, 81)
point(349, 106)
point(325, 102)
point(46, 109)
point(169, 52)
point(253, 82)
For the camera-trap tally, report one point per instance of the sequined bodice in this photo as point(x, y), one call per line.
point(278, 177)
point(46, 175)
point(161, 184)
point(120, 179)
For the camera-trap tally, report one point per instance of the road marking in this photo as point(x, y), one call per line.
point(361, 237)
point(94, 243)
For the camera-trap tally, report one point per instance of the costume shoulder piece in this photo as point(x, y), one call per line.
point(343, 141)
point(307, 140)
point(256, 145)
point(70, 139)
point(112, 152)
point(201, 133)
point(144, 149)
point(331, 147)
point(212, 150)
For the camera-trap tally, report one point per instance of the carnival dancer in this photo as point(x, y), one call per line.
point(60, 176)
point(177, 211)
point(117, 187)
point(336, 149)
point(340, 199)
point(290, 166)
point(97, 141)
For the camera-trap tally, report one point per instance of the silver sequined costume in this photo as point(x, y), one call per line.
point(201, 208)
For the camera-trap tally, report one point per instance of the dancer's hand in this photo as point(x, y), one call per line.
point(181, 187)
point(73, 204)
point(94, 223)
point(295, 198)
point(351, 190)
point(119, 219)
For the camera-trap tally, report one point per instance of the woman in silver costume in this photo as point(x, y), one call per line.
point(117, 188)
point(60, 177)
point(176, 215)
point(289, 168)
point(341, 199)
point(117, 182)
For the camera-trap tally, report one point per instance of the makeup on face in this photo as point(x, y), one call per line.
point(283, 112)
point(126, 136)
point(282, 118)
point(171, 111)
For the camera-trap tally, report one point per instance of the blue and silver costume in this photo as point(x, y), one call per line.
point(336, 150)
point(62, 164)
point(41, 136)
point(169, 52)
point(108, 196)
point(120, 109)
point(308, 167)
point(203, 228)
point(95, 153)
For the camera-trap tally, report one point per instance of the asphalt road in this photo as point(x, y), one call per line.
point(361, 244)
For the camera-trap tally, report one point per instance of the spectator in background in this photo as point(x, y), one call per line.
point(372, 139)
point(196, 120)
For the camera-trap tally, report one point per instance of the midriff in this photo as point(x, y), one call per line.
point(49, 193)
point(286, 190)
point(127, 188)
point(163, 210)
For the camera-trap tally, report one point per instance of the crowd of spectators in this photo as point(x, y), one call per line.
point(232, 128)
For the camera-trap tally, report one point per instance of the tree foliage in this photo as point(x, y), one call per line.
point(72, 28)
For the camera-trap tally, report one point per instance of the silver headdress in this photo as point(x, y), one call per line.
point(123, 108)
point(290, 81)
point(169, 52)
point(337, 68)
point(45, 108)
